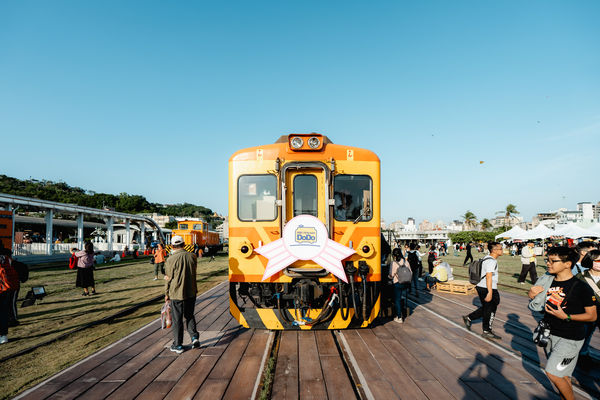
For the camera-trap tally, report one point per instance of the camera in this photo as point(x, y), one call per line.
point(541, 334)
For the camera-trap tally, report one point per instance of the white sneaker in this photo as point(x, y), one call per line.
point(3, 339)
point(155, 279)
point(522, 283)
point(398, 320)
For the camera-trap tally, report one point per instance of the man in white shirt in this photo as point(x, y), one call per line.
point(529, 264)
point(487, 289)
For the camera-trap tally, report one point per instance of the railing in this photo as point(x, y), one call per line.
point(31, 249)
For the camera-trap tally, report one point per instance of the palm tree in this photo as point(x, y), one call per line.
point(509, 212)
point(486, 224)
point(470, 219)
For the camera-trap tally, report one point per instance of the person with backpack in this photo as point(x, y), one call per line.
point(487, 290)
point(401, 276)
point(568, 307)
point(412, 257)
point(9, 282)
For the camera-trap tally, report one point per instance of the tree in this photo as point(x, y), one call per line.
point(509, 212)
point(486, 224)
point(470, 219)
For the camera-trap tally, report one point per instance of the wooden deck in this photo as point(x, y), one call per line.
point(427, 357)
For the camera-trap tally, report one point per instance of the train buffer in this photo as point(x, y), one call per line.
point(429, 356)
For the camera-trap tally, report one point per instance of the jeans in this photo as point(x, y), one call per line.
point(590, 327)
point(400, 294)
point(181, 309)
point(487, 311)
point(415, 280)
point(532, 273)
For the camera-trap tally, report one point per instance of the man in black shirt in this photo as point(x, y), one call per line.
point(469, 255)
point(569, 305)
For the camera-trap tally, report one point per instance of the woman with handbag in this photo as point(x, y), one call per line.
point(85, 269)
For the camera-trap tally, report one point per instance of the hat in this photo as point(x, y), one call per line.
point(176, 240)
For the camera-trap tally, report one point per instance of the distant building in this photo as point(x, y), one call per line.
point(425, 225)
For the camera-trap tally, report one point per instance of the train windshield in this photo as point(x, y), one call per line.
point(352, 195)
point(256, 198)
point(305, 195)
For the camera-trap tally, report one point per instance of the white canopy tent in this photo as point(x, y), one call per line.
point(539, 232)
point(574, 231)
point(595, 228)
point(512, 233)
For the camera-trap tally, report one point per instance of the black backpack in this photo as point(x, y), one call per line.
point(413, 260)
point(475, 270)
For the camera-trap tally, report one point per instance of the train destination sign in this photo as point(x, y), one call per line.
point(305, 238)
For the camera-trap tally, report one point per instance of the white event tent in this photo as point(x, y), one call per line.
point(539, 232)
point(574, 231)
point(512, 233)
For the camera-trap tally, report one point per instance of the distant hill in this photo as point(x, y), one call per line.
point(123, 202)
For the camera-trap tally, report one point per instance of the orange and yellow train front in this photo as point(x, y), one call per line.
point(277, 188)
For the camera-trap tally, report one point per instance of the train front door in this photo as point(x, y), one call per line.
point(306, 190)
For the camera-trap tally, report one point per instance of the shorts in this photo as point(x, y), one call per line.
point(563, 356)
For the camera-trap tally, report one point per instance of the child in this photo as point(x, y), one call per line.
point(73, 259)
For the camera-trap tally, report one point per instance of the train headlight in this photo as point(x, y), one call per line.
point(314, 142)
point(365, 249)
point(246, 248)
point(297, 142)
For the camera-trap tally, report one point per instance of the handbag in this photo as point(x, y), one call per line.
point(165, 315)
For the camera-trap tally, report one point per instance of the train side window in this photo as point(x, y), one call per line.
point(305, 195)
point(353, 197)
point(197, 227)
point(183, 226)
point(256, 198)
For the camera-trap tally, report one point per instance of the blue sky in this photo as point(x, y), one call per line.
point(152, 98)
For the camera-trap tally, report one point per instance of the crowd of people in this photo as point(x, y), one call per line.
point(568, 294)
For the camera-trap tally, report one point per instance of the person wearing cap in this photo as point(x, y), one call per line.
point(181, 290)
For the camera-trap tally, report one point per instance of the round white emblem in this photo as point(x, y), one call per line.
point(305, 237)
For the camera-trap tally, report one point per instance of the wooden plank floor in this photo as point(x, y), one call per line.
point(427, 357)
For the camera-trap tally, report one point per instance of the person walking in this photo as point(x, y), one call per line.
point(413, 260)
point(487, 290)
point(569, 305)
point(401, 276)
point(431, 257)
point(469, 255)
point(181, 290)
point(591, 276)
point(528, 264)
point(85, 269)
point(9, 283)
point(159, 260)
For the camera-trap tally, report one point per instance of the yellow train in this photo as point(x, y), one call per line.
point(197, 233)
point(304, 235)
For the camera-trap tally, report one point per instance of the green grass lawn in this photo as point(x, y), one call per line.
point(118, 287)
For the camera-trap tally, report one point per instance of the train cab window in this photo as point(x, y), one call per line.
point(256, 198)
point(353, 197)
point(305, 195)
point(183, 226)
point(197, 227)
